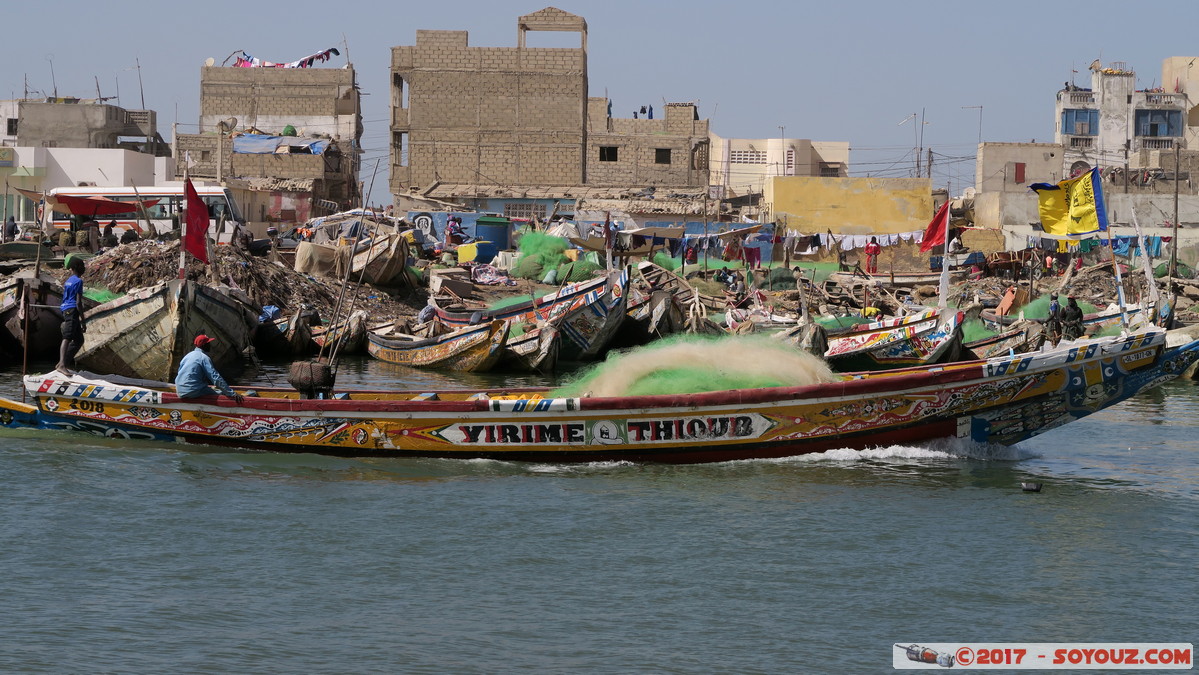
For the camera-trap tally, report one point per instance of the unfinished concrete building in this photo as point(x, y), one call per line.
point(512, 129)
point(68, 122)
point(287, 140)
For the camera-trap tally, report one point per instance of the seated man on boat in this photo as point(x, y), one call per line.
point(196, 373)
point(1071, 320)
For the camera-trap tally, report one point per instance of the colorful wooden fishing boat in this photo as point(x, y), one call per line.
point(145, 333)
point(931, 336)
point(1003, 400)
point(650, 315)
point(588, 314)
point(1018, 341)
point(1092, 323)
point(855, 279)
point(29, 315)
point(658, 277)
point(470, 349)
point(533, 351)
point(348, 336)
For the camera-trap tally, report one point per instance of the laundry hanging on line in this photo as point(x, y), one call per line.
point(247, 61)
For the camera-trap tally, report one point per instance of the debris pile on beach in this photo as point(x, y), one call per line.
point(146, 263)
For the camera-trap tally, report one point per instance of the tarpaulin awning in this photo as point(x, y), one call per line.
point(95, 206)
point(261, 144)
point(86, 206)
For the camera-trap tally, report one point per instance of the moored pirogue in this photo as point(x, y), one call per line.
point(1002, 400)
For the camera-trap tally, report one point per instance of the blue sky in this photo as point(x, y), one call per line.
point(836, 71)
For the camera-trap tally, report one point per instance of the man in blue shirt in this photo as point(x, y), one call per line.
point(196, 373)
point(72, 317)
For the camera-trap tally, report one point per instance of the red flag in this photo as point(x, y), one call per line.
point(195, 231)
point(934, 235)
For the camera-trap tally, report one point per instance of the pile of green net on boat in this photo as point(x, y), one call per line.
point(690, 364)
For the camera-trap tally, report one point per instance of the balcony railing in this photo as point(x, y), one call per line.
point(1082, 142)
point(1156, 143)
point(1082, 97)
point(1164, 99)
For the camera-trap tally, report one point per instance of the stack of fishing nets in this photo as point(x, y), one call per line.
point(689, 364)
point(539, 253)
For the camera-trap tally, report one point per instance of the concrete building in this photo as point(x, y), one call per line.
point(66, 122)
point(292, 181)
point(742, 166)
point(513, 130)
point(1112, 124)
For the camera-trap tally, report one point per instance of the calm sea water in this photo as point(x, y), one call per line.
point(123, 557)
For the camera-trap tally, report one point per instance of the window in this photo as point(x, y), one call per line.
point(830, 169)
point(519, 210)
point(661, 155)
point(399, 148)
point(205, 155)
point(12, 126)
point(1155, 123)
point(1080, 122)
point(747, 157)
point(608, 153)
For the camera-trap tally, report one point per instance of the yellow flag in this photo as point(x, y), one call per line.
point(1073, 206)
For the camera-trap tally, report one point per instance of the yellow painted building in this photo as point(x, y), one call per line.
point(810, 205)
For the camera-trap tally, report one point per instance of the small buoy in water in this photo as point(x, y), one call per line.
point(1030, 487)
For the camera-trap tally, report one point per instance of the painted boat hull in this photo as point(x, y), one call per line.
point(351, 334)
point(1003, 401)
point(25, 327)
point(145, 333)
point(1091, 323)
point(473, 349)
point(588, 314)
point(1019, 341)
point(921, 339)
point(535, 351)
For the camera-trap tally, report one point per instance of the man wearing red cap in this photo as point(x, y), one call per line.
point(196, 373)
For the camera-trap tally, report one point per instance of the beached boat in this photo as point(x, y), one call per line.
point(26, 250)
point(1092, 323)
point(382, 260)
point(145, 333)
point(533, 351)
point(470, 349)
point(29, 315)
point(649, 316)
point(658, 277)
point(1003, 400)
point(1018, 341)
point(349, 336)
point(931, 336)
point(854, 279)
point(588, 314)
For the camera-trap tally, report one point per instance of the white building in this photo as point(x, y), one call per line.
point(40, 169)
point(743, 165)
point(1112, 124)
